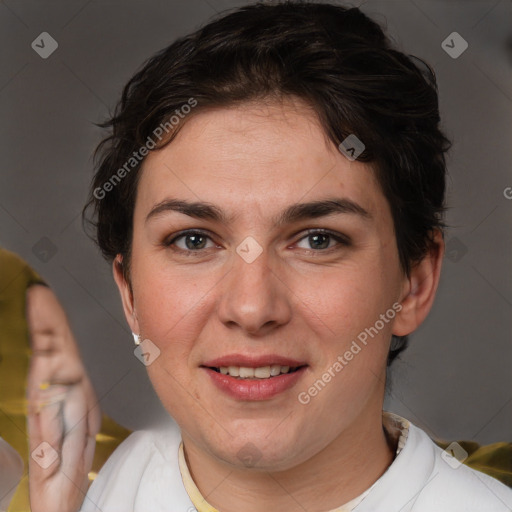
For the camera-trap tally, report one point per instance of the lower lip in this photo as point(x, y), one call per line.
point(255, 389)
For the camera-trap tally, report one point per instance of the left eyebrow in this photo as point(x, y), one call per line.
point(293, 213)
point(315, 209)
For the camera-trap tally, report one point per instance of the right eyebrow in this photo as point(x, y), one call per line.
point(198, 210)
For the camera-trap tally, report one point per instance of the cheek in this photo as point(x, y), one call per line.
point(342, 302)
point(169, 301)
point(344, 308)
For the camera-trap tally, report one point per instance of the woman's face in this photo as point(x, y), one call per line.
point(239, 283)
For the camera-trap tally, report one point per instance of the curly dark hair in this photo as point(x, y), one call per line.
point(334, 58)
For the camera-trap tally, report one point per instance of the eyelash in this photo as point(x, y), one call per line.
point(342, 240)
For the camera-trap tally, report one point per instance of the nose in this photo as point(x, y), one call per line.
point(254, 298)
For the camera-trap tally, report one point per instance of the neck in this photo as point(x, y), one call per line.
point(343, 470)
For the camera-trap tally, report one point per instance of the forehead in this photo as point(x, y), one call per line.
point(260, 155)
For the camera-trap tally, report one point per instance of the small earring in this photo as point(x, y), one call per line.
point(136, 339)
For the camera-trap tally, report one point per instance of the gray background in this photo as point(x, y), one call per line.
point(455, 380)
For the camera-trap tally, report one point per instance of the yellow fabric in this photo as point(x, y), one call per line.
point(15, 278)
point(493, 459)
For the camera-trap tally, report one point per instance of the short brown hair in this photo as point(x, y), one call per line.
point(334, 58)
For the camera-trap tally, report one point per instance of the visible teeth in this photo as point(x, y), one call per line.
point(246, 373)
point(234, 371)
point(275, 369)
point(262, 372)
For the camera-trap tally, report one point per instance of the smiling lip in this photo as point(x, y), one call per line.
point(254, 389)
point(252, 361)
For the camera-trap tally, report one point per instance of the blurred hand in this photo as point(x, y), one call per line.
point(63, 412)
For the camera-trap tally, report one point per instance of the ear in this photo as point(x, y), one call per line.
point(126, 294)
point(420, 288)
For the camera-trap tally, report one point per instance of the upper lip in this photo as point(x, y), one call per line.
point(252, 361)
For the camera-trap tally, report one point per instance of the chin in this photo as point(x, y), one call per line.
point(261, 452)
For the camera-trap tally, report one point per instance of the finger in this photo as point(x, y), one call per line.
point(45, 438)
point(93, 408)
point(76, 427)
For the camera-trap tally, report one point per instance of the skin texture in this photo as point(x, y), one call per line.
point(295, 300)
point(63, 409)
